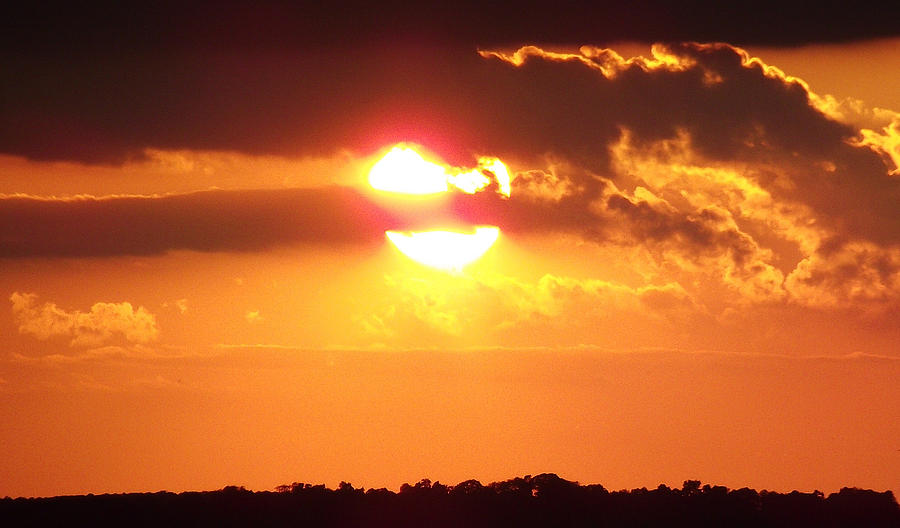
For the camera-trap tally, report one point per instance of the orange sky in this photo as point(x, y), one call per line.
point(697, 277)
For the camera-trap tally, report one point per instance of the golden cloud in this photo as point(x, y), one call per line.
point(461, 308)
point(103, 323)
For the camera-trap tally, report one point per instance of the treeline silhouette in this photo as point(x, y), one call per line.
point(542, 500)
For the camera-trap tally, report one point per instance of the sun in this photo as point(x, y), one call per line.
point(445, 250)
point(404, 170)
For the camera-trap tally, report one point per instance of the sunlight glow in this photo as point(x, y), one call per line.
point(445, 250)
point(404, 170)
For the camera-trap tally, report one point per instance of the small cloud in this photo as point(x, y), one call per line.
point(253, 317)
point(158, 382)
point(180, 304)
point(376, 325)
point(102, 323)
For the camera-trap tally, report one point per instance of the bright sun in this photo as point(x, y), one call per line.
point(446, 250)
point(404, 170)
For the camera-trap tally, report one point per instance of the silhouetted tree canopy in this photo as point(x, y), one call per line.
point(541, 500)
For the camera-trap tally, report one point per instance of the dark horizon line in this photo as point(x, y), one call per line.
point(542, 500)
point(689, 485)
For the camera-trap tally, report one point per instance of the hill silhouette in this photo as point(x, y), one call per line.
point(541, 500)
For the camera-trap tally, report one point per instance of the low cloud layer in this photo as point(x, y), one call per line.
point(202, 221)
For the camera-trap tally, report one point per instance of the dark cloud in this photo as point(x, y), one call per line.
point(108, 109)
point(732, 111)
point(202, 221)
point(93, 27)
point(312, 103)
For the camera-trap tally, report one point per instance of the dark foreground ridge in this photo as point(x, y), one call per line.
point(542, 500)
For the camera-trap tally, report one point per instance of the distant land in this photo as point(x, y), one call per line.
point(541, 500)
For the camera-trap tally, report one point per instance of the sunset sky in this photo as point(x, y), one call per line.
point(697, 274)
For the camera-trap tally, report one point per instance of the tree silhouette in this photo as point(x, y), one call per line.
point(541, 500)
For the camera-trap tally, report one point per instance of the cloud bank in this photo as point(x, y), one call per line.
point(712, 162)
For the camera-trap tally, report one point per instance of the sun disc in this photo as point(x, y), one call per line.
point(403, 170)
point(446, 250)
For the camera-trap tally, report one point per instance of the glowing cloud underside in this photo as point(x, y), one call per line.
point(403, 170)
point(446, 250)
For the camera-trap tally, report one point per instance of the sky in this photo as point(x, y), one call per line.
point(697, 274)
